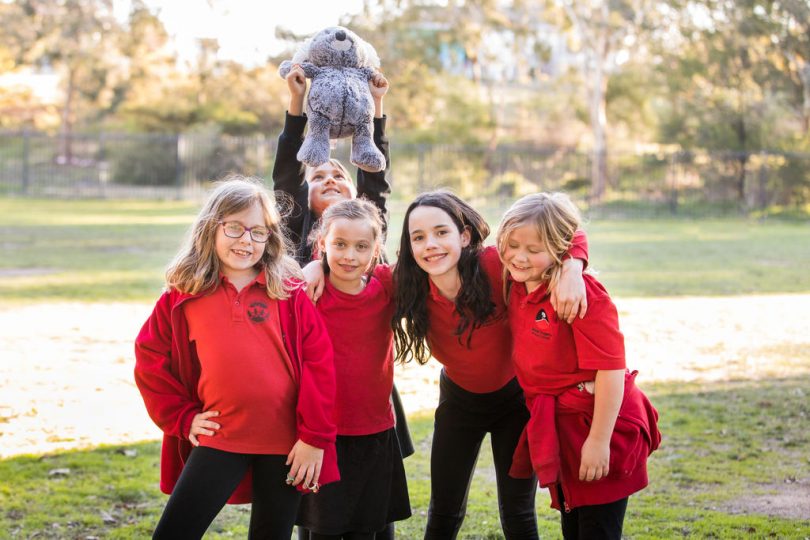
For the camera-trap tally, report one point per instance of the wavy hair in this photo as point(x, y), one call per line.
point(411, 289)
point(195, 269)
point(359, 209)
point(554, 217)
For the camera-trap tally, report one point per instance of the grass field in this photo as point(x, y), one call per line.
point(99, 251)
point(733, 464)
point(730, 456)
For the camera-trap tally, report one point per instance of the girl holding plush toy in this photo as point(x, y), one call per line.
point(314, 189)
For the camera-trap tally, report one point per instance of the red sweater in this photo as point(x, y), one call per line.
point(551, 358)
point(360, 328)
point(167, 372)
point(486, 365)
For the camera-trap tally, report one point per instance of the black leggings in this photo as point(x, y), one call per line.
point(596, 522)
point(462, 421)
point(208, 480)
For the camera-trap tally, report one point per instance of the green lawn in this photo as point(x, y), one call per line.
point(113, 251)
point(731, 450)
point(728, 449)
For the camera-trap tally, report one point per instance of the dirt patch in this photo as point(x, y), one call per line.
point(66, 368)
point(787, 500)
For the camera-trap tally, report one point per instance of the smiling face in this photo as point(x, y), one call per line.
point(525, 256)
point(238, 256)
point(328, 184)
point(350, 248)
point(436, 241)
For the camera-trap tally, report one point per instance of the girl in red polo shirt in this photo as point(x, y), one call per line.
point(449, 304)
point(356, 306)
point(591, 428)
point(236, 367)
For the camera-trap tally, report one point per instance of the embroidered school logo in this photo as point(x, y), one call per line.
point(257, 312)
point(542, 326)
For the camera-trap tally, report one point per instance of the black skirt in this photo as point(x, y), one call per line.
point(372, 491)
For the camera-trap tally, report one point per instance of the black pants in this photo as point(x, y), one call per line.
point(462, 421)
point(596, 522)
point(208, 480)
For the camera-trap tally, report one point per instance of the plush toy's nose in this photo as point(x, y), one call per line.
point(340, 35)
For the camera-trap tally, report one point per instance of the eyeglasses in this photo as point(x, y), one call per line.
point(234, 229)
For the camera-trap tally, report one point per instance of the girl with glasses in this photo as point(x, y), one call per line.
point(236, 367)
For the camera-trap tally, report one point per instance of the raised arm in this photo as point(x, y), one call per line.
point(375, 186)
point(288, 172)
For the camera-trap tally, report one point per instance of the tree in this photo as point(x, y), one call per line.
point(602, 32)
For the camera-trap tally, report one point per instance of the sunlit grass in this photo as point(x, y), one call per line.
point(728, 450)
point(117, 250)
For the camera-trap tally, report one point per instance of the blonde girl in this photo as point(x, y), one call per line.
point(590, 429)
point(356, 306)
point(235, 366)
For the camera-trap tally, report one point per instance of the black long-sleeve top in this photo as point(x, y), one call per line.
point(288, 177)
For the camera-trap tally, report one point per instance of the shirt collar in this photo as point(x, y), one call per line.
point(259, 280)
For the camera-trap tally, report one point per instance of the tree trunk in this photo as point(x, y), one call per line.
point(804, 75)
point(66, 151)
point(598, 117)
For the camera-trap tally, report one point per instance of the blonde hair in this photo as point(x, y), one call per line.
point(336, 163)
point(195, 269)
point(555, 218)
point(359, 209)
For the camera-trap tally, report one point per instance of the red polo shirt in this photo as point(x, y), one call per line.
point(551, 355)
point(246, 373)
point(359, 326)
point(486, 365)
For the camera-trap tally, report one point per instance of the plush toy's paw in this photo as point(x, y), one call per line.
point(314, 152)
point(368, 157)
point(285, 68)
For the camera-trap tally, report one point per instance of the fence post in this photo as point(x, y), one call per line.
point(178, 166)
point(420, 186)
point(673, 185)
point(26, 150)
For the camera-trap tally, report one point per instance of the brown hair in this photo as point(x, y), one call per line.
point(360, 209)
point(196, 267)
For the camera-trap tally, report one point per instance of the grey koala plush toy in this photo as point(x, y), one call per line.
point(339, 103)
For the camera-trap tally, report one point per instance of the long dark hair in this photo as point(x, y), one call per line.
point(474, 300)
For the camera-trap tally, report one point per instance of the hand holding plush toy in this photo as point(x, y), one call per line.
point(340, 103)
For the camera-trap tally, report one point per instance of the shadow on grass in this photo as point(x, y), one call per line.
point(733, 463)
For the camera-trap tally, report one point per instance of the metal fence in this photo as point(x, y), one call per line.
point(182, 166)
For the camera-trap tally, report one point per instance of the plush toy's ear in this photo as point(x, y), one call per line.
point(367, 55)
point(302, 54)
